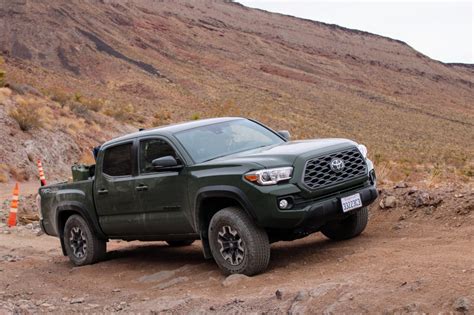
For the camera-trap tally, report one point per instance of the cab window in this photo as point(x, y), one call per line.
point(152, 149)
point(118, 160)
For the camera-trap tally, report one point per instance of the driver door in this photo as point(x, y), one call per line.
point(163, 197)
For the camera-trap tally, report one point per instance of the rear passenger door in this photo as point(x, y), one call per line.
point(115, 191)
point(163, 197)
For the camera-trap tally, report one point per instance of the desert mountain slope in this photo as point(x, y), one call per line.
point(191, 59)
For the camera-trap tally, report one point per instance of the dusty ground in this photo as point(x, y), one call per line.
point(409, 259)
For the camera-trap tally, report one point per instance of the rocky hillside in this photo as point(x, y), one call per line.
point(145, 63)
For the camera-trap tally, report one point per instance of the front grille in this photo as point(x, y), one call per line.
point(318, 173)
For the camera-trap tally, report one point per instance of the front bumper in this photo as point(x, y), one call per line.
point(317, 212)
point(331, 209)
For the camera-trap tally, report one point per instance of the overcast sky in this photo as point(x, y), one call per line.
point(442, 30)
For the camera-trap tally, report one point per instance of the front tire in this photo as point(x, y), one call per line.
point(83, 247)
point(237, 244)
point(347, 228)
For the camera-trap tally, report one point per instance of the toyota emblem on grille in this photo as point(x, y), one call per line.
point(337, 165)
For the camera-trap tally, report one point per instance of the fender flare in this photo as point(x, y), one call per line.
point(81, 210)
point(220, 191)
point(223, 191)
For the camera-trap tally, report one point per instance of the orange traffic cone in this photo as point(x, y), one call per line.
point(41, 173)
point(14, 206)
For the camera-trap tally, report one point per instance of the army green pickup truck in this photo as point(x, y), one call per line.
point(232, 183)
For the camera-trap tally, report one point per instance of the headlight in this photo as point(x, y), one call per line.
point(269, 176)
point(363, 150)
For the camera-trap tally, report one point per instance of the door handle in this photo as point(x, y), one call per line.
point(102, 191)
point(141, 188)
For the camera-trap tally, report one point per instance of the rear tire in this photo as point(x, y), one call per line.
point(237, 244)
point(347, 228)
point(83, 247)
point(180, 243)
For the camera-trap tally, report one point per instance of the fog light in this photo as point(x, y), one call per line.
point(283, 204)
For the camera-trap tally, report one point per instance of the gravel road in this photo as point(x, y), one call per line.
point(419, 264)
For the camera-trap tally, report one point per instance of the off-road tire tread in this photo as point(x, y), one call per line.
point(347, 228)
point(257, 245)
point(95, 253)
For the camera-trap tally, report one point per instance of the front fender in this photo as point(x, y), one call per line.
point(223, 191)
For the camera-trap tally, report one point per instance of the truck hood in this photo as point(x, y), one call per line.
point(284, 154)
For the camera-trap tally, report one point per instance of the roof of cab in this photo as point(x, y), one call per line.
point(170, 129)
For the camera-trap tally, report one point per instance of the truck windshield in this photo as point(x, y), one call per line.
point(218, 140)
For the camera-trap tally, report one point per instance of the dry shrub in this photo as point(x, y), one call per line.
point(87, 158)
point(224, 108)
point(19, 174)
point(4, 94)
point(2, 78)
point(77, 102)
point(27, 114)
point(71, 125)
point(160, 118)
point(77, 97)
point(79, 109)
point(4, 177)
point(4, 173)
point(59, 95)
point(24, 89)
point(121, 112)
point(93, 104)
point(435, 174)
point(2, 73)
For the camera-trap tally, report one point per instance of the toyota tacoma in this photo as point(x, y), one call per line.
point(232, 183)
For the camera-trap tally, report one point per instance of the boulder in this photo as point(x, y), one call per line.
point(388, 202)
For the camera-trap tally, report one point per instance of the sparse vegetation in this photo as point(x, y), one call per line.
point(27, 114)
point(3, 177)
point(387, 99)
point(60, 96)
point(79, 109)
point(2, 73)
point(77, 97)
point(121, 112)
point(94, 104)
point(87, 158)
point(162, 117)
point(4, 173)
point(19, 174)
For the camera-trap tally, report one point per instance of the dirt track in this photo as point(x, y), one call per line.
point(415, 265)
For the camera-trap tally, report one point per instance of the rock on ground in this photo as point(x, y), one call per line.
point(388, 202)
point(462, 304)
point(234, 279)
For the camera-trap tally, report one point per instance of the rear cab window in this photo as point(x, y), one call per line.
point(118, 160)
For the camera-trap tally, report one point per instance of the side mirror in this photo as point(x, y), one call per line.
point(166, 163)
point(285, 134)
